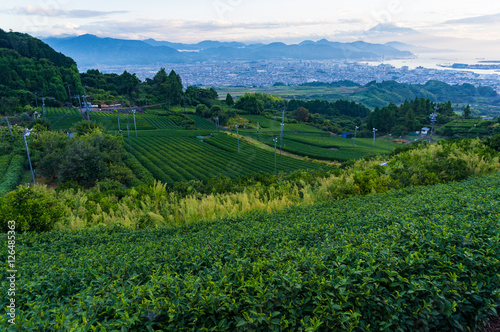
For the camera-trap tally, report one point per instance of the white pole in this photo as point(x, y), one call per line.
point(275, 140)
point(281, 136)
point(10, 131)
point(28, 153)
point(238, 137)
point(135, 126)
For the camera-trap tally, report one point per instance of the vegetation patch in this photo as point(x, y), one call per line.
point(412, 259)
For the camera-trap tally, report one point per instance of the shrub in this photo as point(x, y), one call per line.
point(33, 210)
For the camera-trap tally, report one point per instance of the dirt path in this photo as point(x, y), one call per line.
point(266, 147)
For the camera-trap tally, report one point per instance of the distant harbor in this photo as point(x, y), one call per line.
point(492, 65)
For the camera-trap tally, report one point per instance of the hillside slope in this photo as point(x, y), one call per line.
point(29, 66)
point(412, 259)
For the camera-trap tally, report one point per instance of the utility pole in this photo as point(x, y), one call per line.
point(374, 131)
point(27, 133)
point(355, 132)
point(129, 146)
point(135, 126)
point(390, 136)
point(257, 126)
point(10, 131)
point(283, 120)
point(433, 117)
point(69, 93)
point(275, 140)
point(281, 136)
point(217, 123)
point(43, 107)
point(184, 103)
point(36, 100)
point(238, 138)
point(118, 117)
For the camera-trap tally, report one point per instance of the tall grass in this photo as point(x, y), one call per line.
point(431, 164)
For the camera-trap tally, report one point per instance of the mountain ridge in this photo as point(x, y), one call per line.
point(90, 50)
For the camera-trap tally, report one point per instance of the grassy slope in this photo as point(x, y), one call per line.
point(414, 258)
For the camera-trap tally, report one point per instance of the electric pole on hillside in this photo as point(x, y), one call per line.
point(238, 138)
point(281, 136)
point(275, 140)
point(36, 101)
point(10, 131)
point(374, 131)
point(355, 132)
point(69, 94)
point(27, 133)
point(185, 107)
point(129, 145)
point(135, 126)
point(433, 117)
point(43, 107)
point(390, 136)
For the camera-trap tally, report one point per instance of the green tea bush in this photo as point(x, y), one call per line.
point(13, 174)
point(416, 259)
point(33, 210)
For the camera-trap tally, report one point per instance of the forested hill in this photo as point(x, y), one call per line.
point(380, 94)
point(29, 66)
point(30, 47)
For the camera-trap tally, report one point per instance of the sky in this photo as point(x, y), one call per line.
point(191, 21)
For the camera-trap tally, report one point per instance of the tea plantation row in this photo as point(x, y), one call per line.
point(325, 146)
point(173, 156)
point(417, 259)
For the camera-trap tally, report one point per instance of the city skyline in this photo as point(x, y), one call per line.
point(291, 21)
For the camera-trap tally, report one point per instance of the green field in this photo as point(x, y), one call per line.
point(322, 145)
point(173, 156)
point(469, 128)
point(62, 118)
point(11, 172)
point(421, 258)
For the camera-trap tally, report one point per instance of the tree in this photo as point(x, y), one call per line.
point(33, 209)
point(86, 127)
point(466, 113)
point(174, 88)
point(250, 103)
point(302, 115)
point(229, 100)
point(83, 163)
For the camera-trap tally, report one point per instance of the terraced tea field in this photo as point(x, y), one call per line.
point(321, 145)
point(173, 156)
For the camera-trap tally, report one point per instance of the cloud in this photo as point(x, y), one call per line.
point(197, 30)
point(485, 19)
point(54, 12)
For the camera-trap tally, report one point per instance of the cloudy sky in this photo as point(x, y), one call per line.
point(248, 20)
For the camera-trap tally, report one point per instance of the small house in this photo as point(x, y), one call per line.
point(425, 130)
point(347, 135)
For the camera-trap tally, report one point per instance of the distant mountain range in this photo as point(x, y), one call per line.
point(91, 51)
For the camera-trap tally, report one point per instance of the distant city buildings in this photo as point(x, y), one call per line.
point(295, 72)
